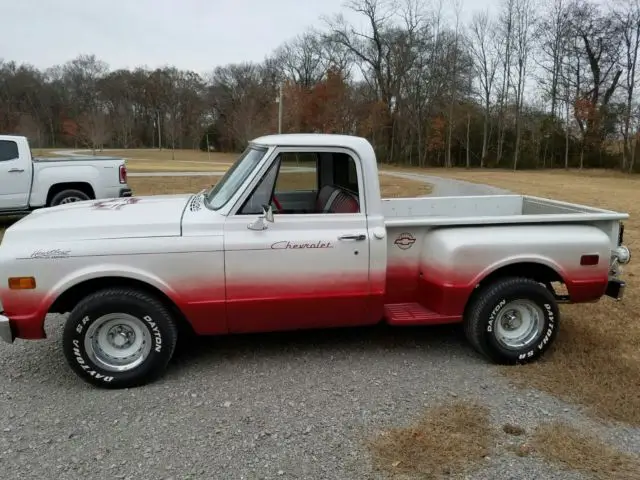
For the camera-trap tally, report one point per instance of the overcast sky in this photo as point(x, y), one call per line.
point(189, 34)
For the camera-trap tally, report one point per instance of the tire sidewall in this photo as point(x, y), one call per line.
point(86, 314)
point(55, 201)
point(549, 330)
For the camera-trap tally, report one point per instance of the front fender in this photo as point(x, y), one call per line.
point(82, 275)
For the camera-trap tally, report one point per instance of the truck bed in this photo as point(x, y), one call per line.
point(73, 159)
point(488, 209)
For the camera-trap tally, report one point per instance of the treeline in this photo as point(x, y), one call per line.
point(534, 86)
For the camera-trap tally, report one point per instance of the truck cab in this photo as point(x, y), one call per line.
point(16, 173)
point(320, 249)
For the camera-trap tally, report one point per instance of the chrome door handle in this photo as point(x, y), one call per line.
point(357, 238)
point(16, 170)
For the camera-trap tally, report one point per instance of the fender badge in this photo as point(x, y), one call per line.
point(405, 241)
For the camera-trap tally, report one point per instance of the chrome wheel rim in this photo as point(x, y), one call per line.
point(519, 324)
point(118, 342)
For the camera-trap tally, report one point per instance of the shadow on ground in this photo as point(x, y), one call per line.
point(192, 349)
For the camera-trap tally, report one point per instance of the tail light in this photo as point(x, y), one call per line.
point(621, 234)
point(123, 173)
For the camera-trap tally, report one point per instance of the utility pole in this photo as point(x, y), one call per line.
point(208, 149)
point(279, 100)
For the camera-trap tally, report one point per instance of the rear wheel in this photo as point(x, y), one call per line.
point(513, 320)
point(68, 196)
point(118, 338)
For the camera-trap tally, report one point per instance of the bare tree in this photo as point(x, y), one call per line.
point(523, 25)
point(597, 39)
point(552, 32)
point(452, 84)
point(628, 16)
point(506, 24)
point(383, 50)
point(485, 67)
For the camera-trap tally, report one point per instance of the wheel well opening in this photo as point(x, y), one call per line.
point(71, 297)
point(59, 187)
point(531, 270)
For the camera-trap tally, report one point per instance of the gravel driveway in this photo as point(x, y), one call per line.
point(295, 405)
point(260, 406)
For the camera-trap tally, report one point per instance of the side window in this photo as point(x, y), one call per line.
point(299, 173)
point(262, 194)
point(8, 150)
point(307, 182)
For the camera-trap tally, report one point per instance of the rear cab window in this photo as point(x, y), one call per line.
point(8, 150)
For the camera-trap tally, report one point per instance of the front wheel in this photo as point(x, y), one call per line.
point(119, 338)
point(511, 321)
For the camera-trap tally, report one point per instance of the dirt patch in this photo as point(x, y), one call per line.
point(571, 449)
point(596, 359)
point(446, 439)
point(142, 186)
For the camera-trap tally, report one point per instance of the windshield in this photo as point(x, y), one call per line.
point(222, 191)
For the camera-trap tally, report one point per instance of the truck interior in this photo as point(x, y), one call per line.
point(311, 183)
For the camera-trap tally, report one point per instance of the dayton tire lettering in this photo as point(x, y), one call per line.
point(157, 336)
point(85, 365)
point(494, 312)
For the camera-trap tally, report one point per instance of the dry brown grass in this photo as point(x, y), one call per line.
point(596, 359)
point(390, 187)
point(569, 448)
point(165, 157)
point(454, 439)
point(449, 439)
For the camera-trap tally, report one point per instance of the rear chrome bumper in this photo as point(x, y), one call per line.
point(6, 333)
point(615, 288)
point(125, 192)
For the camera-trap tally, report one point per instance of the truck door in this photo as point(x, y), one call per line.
point(15, 176)
point(309, 267)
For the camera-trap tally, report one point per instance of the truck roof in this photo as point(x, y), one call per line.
point(313, 139)
point(13, 137)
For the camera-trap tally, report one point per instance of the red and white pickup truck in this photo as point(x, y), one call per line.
point(255, 253)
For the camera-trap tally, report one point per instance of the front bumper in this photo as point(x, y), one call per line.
point(6, 333)
point(615, 288)
point(125, 192)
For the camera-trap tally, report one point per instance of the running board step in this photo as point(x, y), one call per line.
point(415, 314)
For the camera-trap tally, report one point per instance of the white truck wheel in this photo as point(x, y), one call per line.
point(119, 338)
point(512, 321)
point(68, 196)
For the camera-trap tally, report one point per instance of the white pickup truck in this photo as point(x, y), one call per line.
point(27, 183)
point(259, 252)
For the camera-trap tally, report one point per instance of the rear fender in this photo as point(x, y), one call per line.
point(454, 261)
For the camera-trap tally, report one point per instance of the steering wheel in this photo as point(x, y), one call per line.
point(276, 202)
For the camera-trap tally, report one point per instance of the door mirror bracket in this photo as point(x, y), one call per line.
point(260, 222)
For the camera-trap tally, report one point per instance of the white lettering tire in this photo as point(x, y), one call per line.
point(512, 321)
point(119, 338)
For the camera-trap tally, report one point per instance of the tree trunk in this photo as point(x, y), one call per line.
point(468, 140)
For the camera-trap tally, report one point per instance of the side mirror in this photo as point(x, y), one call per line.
point(267, 212)
point(259, 223)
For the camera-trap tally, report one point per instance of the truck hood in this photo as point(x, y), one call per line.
point(153, 216)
